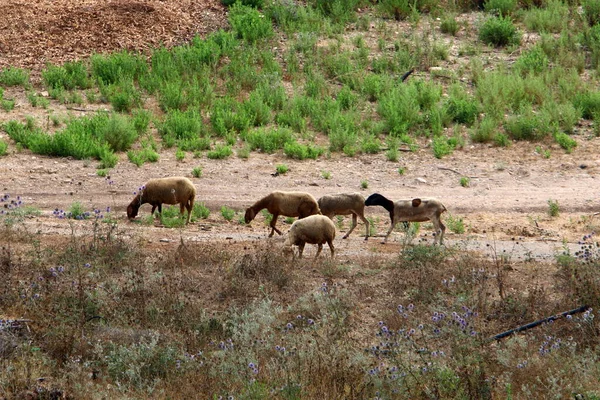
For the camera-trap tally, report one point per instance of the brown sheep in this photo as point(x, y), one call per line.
point(172, 190)
point(289, 204)
point(345, 204)
point(415, 210)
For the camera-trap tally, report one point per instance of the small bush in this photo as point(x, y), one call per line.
point(499, 31)
point(220, 152)
point(339, 11)
point(553, 208)
point(449, 25)
point(282, 169)
point(200, 211)
point(442, 146)
point(250, 3)
point(197, 172)
point(301, 152)
point(12, 76)
point(3, 148)
point(180, 125)
point(455, 224)
point(532, 61)
point(465, 181)
point(326, 174)
point(69, 76)
point(589, 103)
point(565, 141)
point(462, 110)
point(502, 7)
point(269, 140)
point(249, 24)
point(227, 213)
point(484, 131)
point(364, 184)
point(591, 10)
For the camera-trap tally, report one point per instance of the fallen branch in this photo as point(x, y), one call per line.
point(539, 322)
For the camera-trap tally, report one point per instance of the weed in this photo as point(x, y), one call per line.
point(248, 24)
point(282, 169)
point(364, 184)
point(465, 181)
point(401, 170)
point(326, 174)
point(220, 152)
point(197, 172)
point(553, 208)
point(200, 211)
point(449, 25)
point(12, 76)
point(227, 213)
point(499, 31)
point(455, 224)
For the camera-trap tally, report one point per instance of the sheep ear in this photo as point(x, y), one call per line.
point(416, 202)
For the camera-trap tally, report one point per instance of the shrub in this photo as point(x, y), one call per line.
point(532, 61)
point(449, 25)
point(249, 24)
point(12, 76)
point(200, 211)
point(301, 152)
point(268, 140)
point(250, 3)
point(118, 67)
point(197, 172)
point(528, 126)
point(591, 10)
point(551, 18)
point(282, 169)
point(180, 125)
point(220, 152)
point(553, 208)
point(227, 213)
point(442, 146)
point(502, 7)
point(340, 11)
point(484, 131)
point(147, 154)
point(69, 76)
point(565, 141)
point(399, 109)
point(3, 148)
point(455, 224)
point(589, 103)
point(499, 31)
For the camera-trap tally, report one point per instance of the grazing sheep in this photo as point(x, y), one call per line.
point(415, 210)
point(289, 204)
point(314, 229)
point(172, 190)
point(345, 204)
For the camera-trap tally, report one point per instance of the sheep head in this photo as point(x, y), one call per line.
point(132, 210)
point(250, 214)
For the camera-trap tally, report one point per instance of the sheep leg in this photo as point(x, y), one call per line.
point(388, 232)
point(190, 207)
point(439, 231)
point(300, 249)
point(366, 222)
point(272, 225)
point(330, 243)
point(319, 248)
point(354, 223)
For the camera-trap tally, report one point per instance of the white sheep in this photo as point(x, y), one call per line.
point(289, 204)
point(415, 210)
point(172, 190)
point(314, 229)
point(345, 204)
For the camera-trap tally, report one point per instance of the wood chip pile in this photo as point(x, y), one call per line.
point(34, 33)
